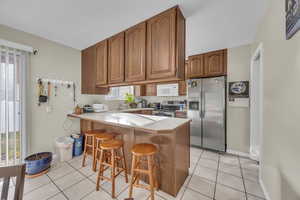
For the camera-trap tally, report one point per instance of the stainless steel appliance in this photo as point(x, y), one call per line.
point(206, 107)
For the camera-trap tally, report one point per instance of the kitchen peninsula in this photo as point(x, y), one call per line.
point(170, 135)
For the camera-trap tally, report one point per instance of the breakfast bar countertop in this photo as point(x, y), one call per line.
point(151, 123)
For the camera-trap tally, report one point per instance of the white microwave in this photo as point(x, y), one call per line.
point(167, 90)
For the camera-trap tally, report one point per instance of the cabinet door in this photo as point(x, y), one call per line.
point(161, 46)
point(151, 90)
point(101, 63)
point(182, 88)
point(88, 57)
point(116, 58)
point(214, 63)
point(135, 53)
point(195, 66)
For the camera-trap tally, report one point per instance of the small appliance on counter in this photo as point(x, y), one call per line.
point(88, 109)
point(99, 108)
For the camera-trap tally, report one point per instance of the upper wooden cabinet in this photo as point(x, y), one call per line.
point(116, 59)
point(195, 66)
point(135, 53)
point(150, 52)
point(214, 63)
point(207, 65)
point(166, 45)
point(89, 71)
point(101, 63)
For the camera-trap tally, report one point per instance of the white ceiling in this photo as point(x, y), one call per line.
point(211, 24)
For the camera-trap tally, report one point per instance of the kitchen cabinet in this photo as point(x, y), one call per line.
point(207, 65)
point(116, 59)
point(101, 63)
point(150, 52)
point(139, 90)
point(88, 71)
point(214, 63)
point(182, 88)
point(166, 45)
point(195, 66)
point(151, 90)
point(135, 53)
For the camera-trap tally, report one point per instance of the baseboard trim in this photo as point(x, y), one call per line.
point(238, 153)
point(267, 196)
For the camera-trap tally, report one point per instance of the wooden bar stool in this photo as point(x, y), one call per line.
point(90, 144)
point(109, 159)
point(139, 151)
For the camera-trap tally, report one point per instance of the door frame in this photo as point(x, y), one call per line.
point(259, 52)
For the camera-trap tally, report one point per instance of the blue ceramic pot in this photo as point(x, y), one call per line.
point(37, 163)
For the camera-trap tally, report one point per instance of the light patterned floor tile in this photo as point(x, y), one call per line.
point(206, 173)
point(120, 185)
point(230, 169)
point(60, 171)
point(208, 163)
point(231, 181)
point(97, 195)
point(229, 159)
point(80, 189)
point(226, 193)
point(34, 183)
point(254, 188)
point(69, 180)
point(192, 195)
point(138, 193)
point(202, 185)
point(59, 196)
point(42, 193)
point(210, 155)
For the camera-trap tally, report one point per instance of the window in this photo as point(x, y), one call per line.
point(12, 66)
point(118, 93)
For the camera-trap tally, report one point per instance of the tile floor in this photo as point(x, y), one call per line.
point(212, 177)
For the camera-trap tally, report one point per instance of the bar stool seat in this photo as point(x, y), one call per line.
point(105, 136)
point(144, 149)
point(112, 144)
point(148, 151)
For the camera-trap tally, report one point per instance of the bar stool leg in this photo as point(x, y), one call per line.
point(84, 152)
point(94, 154)
point(132, 175)
point(100, 173)
point(124, 164)
point(113, 173)
point(150, 169)
point(155, 173)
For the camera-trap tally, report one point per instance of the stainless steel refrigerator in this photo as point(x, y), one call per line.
point(206, 108)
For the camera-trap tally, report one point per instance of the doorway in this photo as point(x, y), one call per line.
point(256, 104)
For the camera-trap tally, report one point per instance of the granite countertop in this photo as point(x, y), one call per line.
point(156, 124)
point(135, 109)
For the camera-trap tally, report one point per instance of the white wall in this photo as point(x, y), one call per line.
point(53, 61)
point(238, 118)
point(281, 58)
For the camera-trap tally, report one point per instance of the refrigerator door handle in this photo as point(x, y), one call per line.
point(204, 105)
